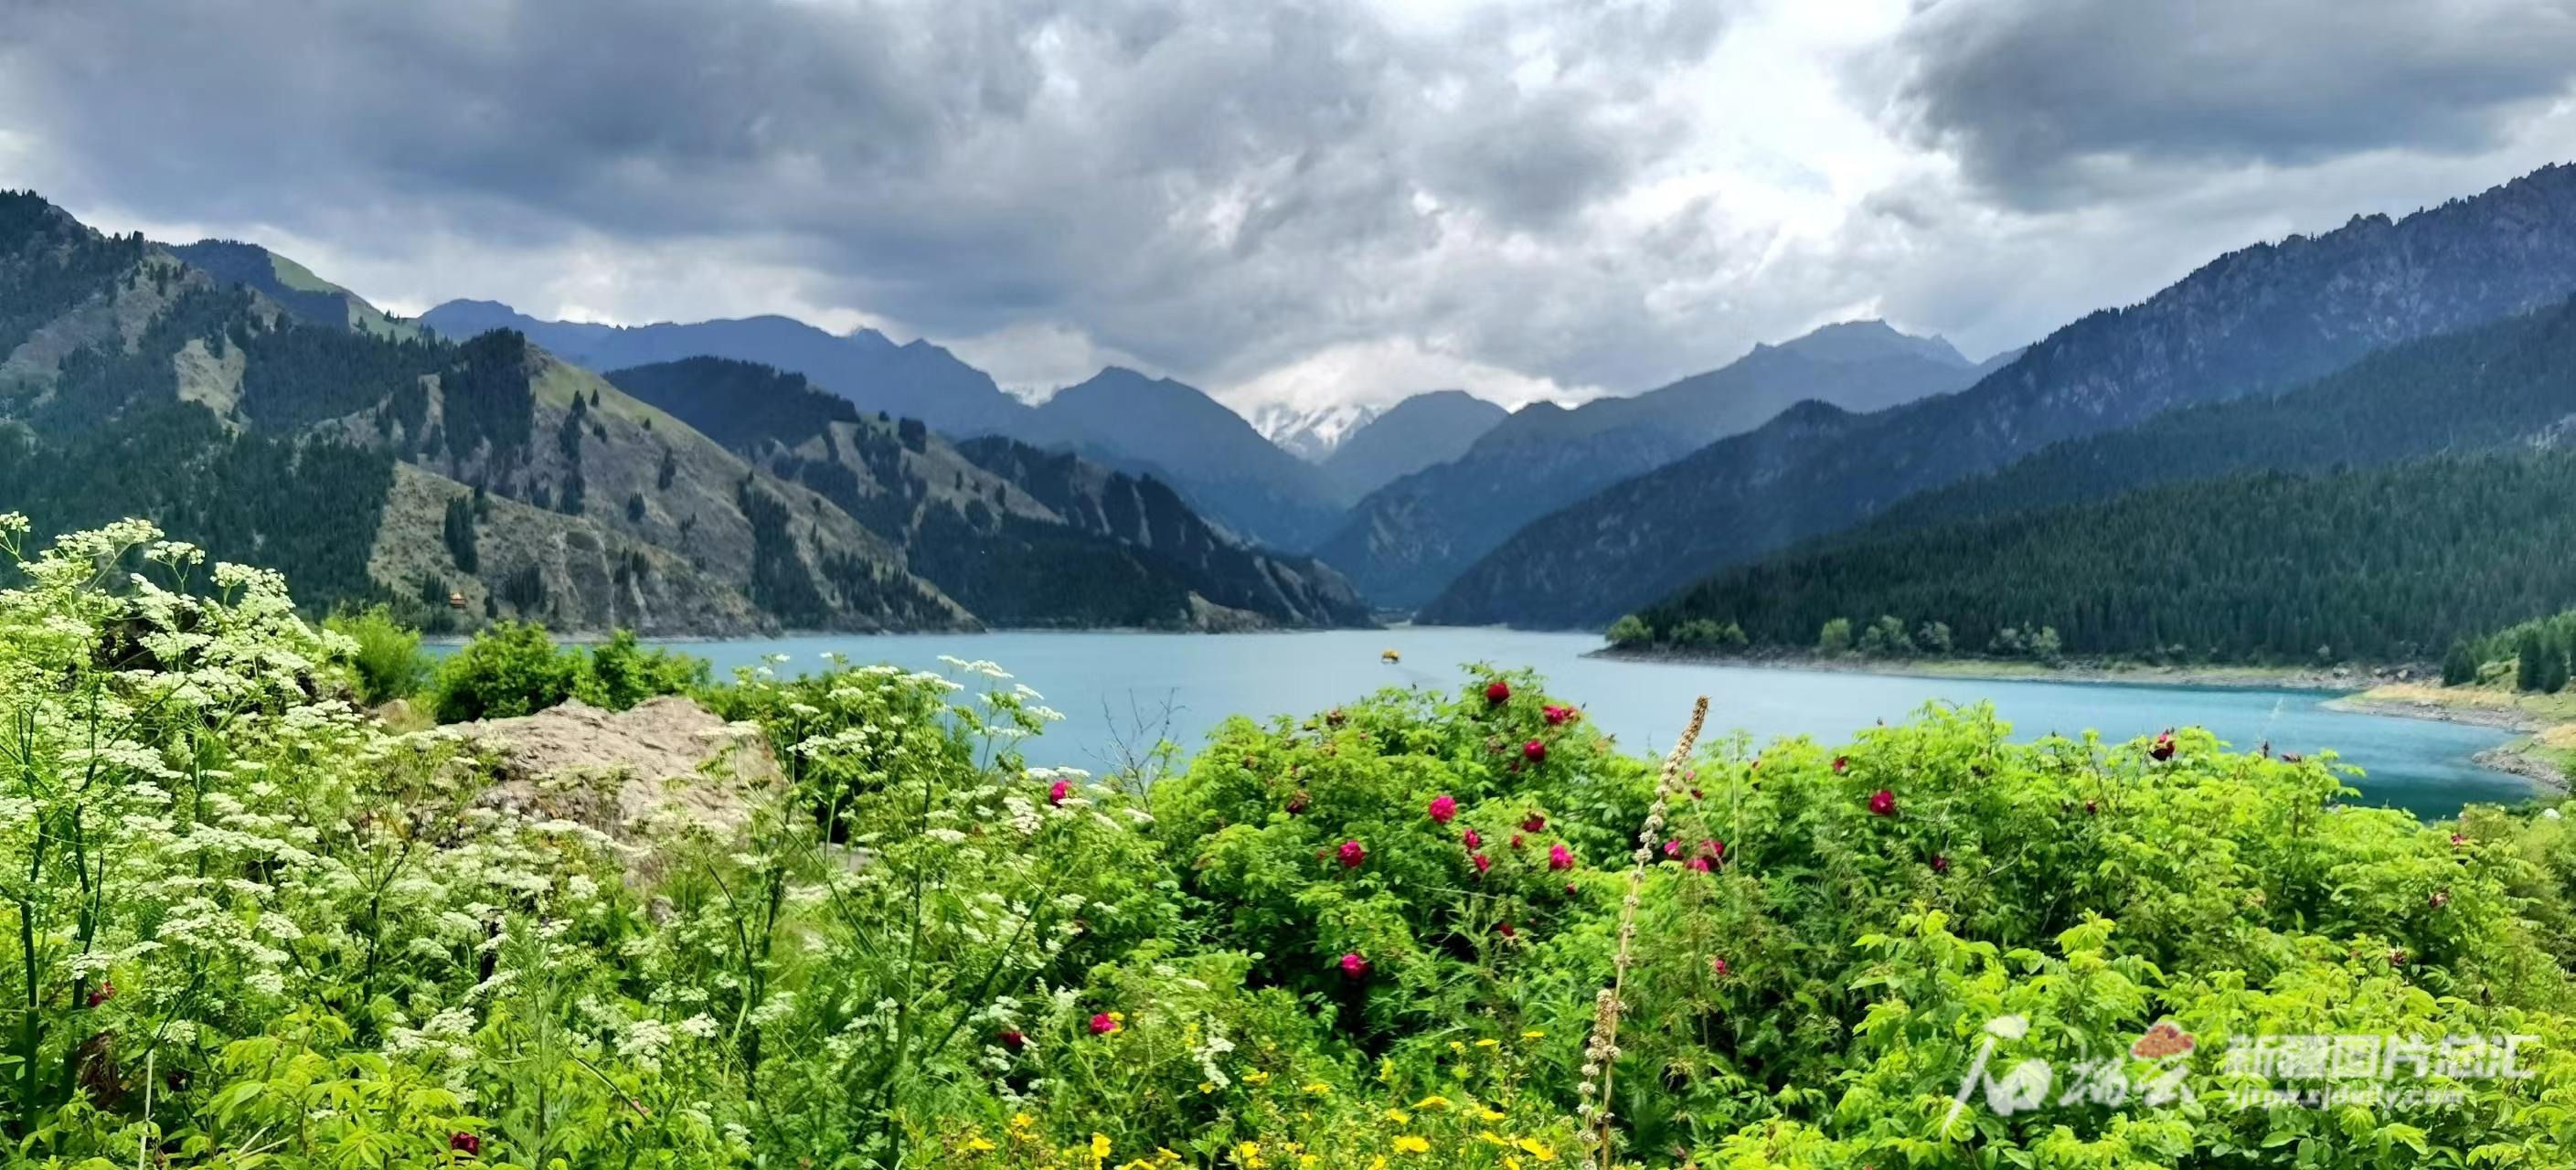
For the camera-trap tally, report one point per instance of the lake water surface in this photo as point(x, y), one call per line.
point(1107, 684)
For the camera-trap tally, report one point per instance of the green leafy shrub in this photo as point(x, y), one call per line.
point(508, 669)
point(386, 660)
point(619, 673)
point(255, 928)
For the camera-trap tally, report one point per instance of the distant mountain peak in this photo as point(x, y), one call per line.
point(1868, 340)
point(1312, 433)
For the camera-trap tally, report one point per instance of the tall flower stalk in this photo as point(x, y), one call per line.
point(1601, 1050)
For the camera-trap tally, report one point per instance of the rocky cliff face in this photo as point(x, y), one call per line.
point(2254, 321)
point(1018, 536)
point(369, 462)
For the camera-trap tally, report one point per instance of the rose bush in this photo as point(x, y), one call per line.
point(252, 927)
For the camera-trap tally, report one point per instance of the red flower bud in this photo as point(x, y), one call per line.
point(1498, 692)
point(1533, 823)
point(465, 1143)
point(1882, 803)
point(1102, 1025)
point(1354, 966)
point(1473, 841)
point(1534, 751)
point(1056, 792)
point(1012, 1039)
point(1352, 853)
point(1443, 807)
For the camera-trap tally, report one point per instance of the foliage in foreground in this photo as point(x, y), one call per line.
point(513, 668)
point(257, 929)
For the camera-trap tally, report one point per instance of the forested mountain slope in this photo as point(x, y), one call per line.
point(2254, 321)
point(2386, 563)
point(2483, 387)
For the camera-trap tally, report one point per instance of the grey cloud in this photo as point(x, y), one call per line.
point(960, 167)
point(2048, 101)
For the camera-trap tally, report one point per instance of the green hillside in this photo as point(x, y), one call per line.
point(2388, 563)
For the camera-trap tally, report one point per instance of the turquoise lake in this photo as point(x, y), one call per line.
point(1108, 685)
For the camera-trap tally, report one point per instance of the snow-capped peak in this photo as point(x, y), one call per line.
point(1311, 432)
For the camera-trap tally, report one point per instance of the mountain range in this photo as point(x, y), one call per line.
point(1131, 422)
point(1407, 540)
point(257, 410)
point(2382, 510)
point(2254, 321)
point(1019, 536)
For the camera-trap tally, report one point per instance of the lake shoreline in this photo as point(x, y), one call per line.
point(2535, 756)
point(2341, 680)
point(2542, 754)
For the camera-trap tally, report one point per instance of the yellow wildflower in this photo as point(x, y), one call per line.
point(1409, 1144)
point(1398, 1116)
point(1256, 1077)
point(977, 1144)
point(1248, 1155)
point(1099, 1146)
point(1491, 1138)
point(1533, 1034)
point(1489, 1042)
point(1537, 1149)
point(1319, 1088)
point(1455, 1046)
point(1119, 1017)
point(1023, 1121)
point(1489, 1113)
point(1307, 1161)
point(1207, 1086)
point(1434, 1101)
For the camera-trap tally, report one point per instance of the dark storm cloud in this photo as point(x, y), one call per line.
point(1166, 175)
point(2047, 101)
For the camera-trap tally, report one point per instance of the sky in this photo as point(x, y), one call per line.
point(1301, 202)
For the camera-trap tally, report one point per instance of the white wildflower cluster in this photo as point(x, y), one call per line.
point(1211, 1047)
